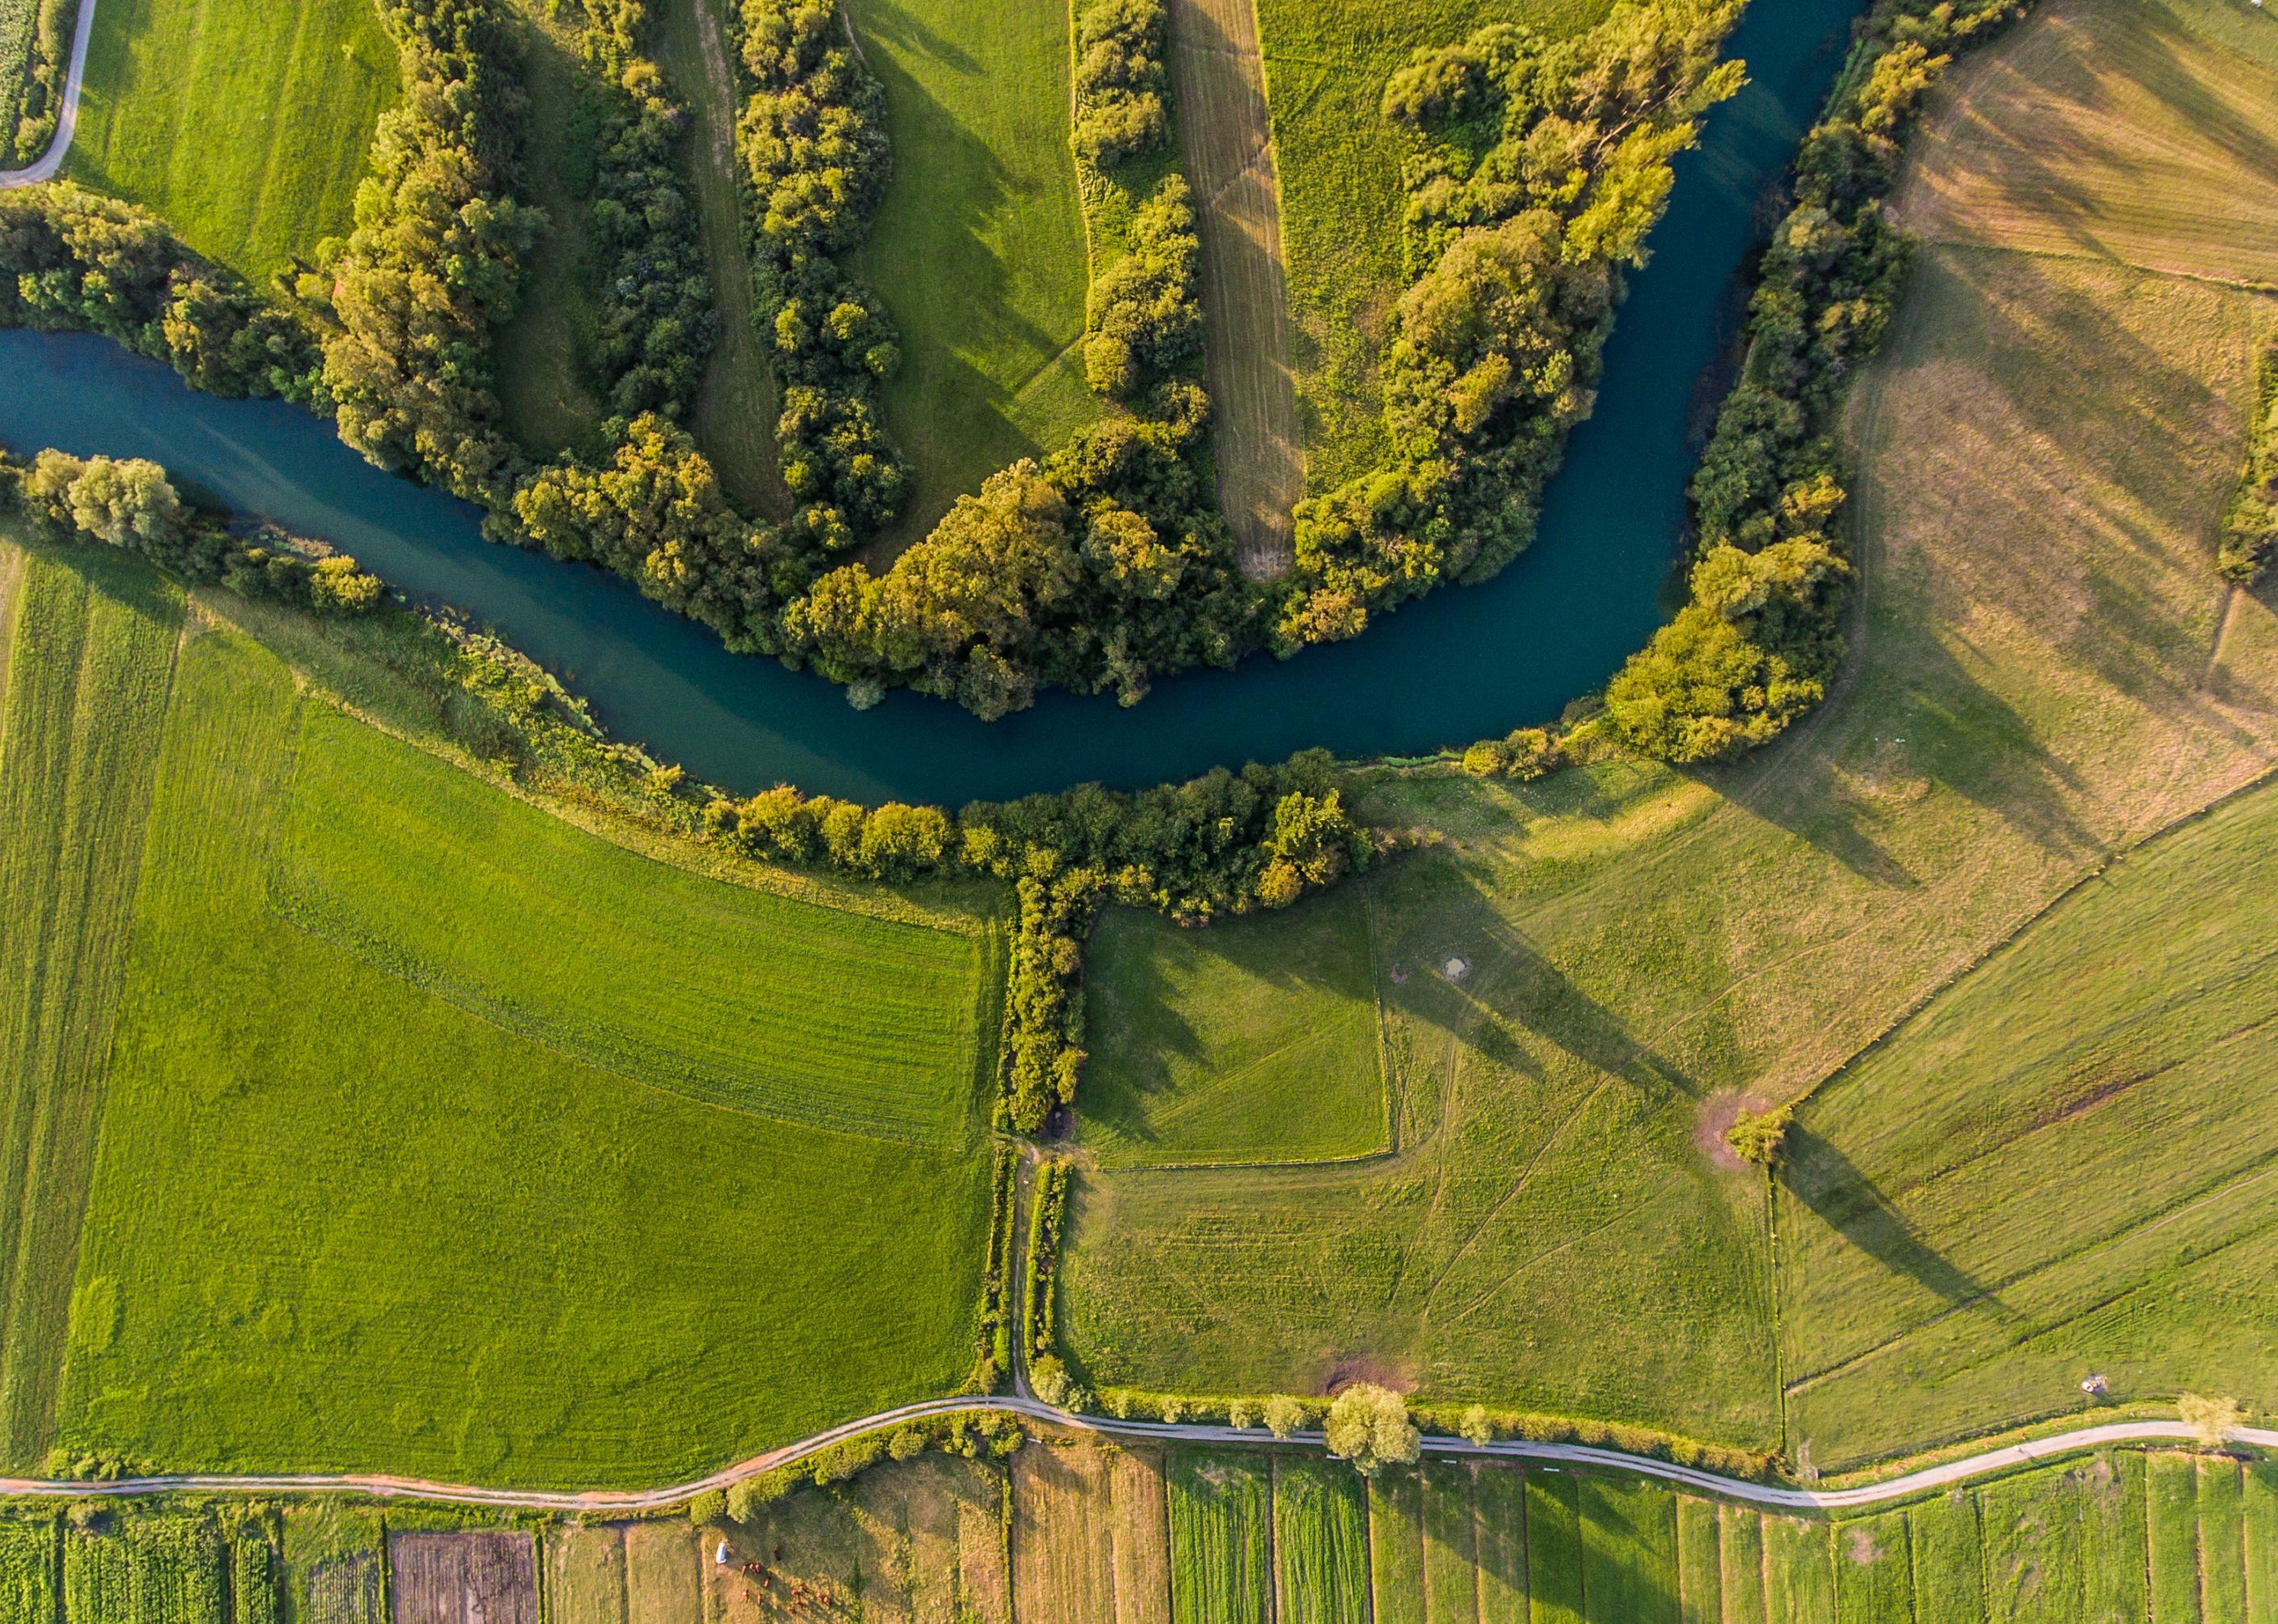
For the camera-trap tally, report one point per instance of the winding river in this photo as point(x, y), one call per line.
point(1460, 665)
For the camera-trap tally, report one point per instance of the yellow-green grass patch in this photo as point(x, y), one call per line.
point(586, 1575)
point(1222, 1523)
point(664, 1581)
point(720, 992)
point(335, 1558)
point(2120, 131)
point(1320, 1541)
point(244, 123)
point(1629, 1552)
point(1063, 1572)
point(1340, 200)
point(1254, 1040)
point(92, 654)
point(978, 250)
point(309, 1168)
point(1396, 1545)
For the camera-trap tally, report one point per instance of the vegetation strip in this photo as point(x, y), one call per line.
point(51, 161)
point(383, 1486)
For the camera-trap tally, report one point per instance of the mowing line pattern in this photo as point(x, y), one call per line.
point(92, 656)
point(1228, 149)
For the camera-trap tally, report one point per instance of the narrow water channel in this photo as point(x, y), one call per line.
point(1457, 665)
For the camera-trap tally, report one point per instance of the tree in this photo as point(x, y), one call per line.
point(1368, 1425)
point(1285, 1417)
point(1477, 1427)
point(2215, 1420)
point(1760, 1136)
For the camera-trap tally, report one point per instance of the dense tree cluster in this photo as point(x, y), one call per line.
point(2250, 530)
point(72, 260)
point(1120, 80)
point(1761, 637)
point(1144, 318)
point(814, 143)
point(657, 323)
point(44, 84)
point(129, 503)
point(1541, 168)
point(435, 260)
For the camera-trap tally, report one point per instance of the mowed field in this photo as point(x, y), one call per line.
point(2047, 675)
point(1340, 201)
point(243, 123)
point(978, 248)
point(383, 1043)
point(1259, 1047)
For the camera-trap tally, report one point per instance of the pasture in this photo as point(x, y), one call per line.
point(1258, 1043)
point(978, 250)
point(243, 123)
point(2046, 673)
point(1340, 200)
point(82, 698)
point(278, 1251)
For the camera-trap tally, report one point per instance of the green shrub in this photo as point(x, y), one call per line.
point(1120, 80)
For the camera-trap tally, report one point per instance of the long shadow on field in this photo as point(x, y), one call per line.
point(1828, 1182)
point(898, 25)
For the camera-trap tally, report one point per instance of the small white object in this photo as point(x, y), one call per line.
point(720, 1557)
point(2095, 1386)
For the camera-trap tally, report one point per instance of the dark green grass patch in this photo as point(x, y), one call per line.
point(1699, 1562)
point(1220, 1525)
point(1948, 1559)
point(312, 1173)
point(1629, 1552)
point(245, 123)
point(1451, 1588)
point(1554, 1547)
point(1253, 1040)
point(2261, 1519)
point(1320, 1541)
point(1500, 1495)
point(2222, 1540)
point(1327, 62)
point(717, 991)
point(1396, 1545)
point(90, 657)
point(1799, 1571)
point(978, 250)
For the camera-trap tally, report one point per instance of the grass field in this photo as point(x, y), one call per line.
point(1340, 197)
point(548, 401)
point(978, 248)
point(278, 1248)
point(734, 419)
point(1396, 1547)
point(1260, 1046)
point(1221, 1521)
point(244, 123)
point(1320, 1541)
point(2047, 673)
point(84, 696)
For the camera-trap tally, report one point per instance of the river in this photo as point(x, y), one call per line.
point(1462, 663)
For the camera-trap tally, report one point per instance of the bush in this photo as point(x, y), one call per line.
point(1760, 1136)
point(1368, 1425)
point(706, 1510)
point(1120, 80)
point(1285, 1417)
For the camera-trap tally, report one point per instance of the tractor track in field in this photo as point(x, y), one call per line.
point(380, 1486)
point(67, 116)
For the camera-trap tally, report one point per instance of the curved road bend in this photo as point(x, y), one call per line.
point(383, 1487)
point(67, 118)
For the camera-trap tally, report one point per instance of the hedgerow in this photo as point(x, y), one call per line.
point(2249, 529)
point(1761, 637)
point(1040, 1315)
point(994, 1355)
point(42, 68)
point(975, 1434)
point(1120, 80)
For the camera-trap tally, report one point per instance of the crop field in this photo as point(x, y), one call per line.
point(447, 1578)
point(335, 1566)
point(664, 1581)
point(278, 103)
point(146, 1570)
point(1258, 1042)
point(1062, 1570)
point(734, 419)
point(2047, 673)
point(30, 1563)
point(1221, 1528)
point(278, 1252)
point(91, 655)
point(1320, 1541)
point(1339, 194)
point(541, 385)
point(723, 993)
point(19, 28)
point(978, 248)
point(1396, 1545)
point(1225, 139)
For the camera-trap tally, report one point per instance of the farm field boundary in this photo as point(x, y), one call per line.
point(1228, 147)
point(1947, 1474)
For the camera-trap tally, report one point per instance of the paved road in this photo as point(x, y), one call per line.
point(67, 119)
point(1570, 1454)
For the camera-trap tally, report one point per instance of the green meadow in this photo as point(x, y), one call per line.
point(371, 1041)
point(978, 248)
point(244, 124)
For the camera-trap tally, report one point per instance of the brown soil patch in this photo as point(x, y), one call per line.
point(462, 1578)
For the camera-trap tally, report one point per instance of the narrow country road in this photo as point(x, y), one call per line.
point(383, 1487)
point(67, 118)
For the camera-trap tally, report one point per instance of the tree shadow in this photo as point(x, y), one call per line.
point(1833, 1187)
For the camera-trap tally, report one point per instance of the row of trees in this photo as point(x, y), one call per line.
point(128, 503)
point(2250, 530)
point(72, 260)
point(1143, 322)
point(1542, 166)
point(1120, 80)
point(1759, 638)
point(36, 114)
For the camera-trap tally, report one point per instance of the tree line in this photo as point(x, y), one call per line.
point(1761, 637)
point(2249, 529)
point(37, 109)
point(1120, 81)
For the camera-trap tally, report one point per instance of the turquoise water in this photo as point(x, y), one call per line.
point(1460, 665)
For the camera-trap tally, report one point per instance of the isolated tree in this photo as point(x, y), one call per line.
point(1368, 1425)
point(1476, 1426)
point(1760, 1136)
point(1050, 1378)
point(2214, 1420)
